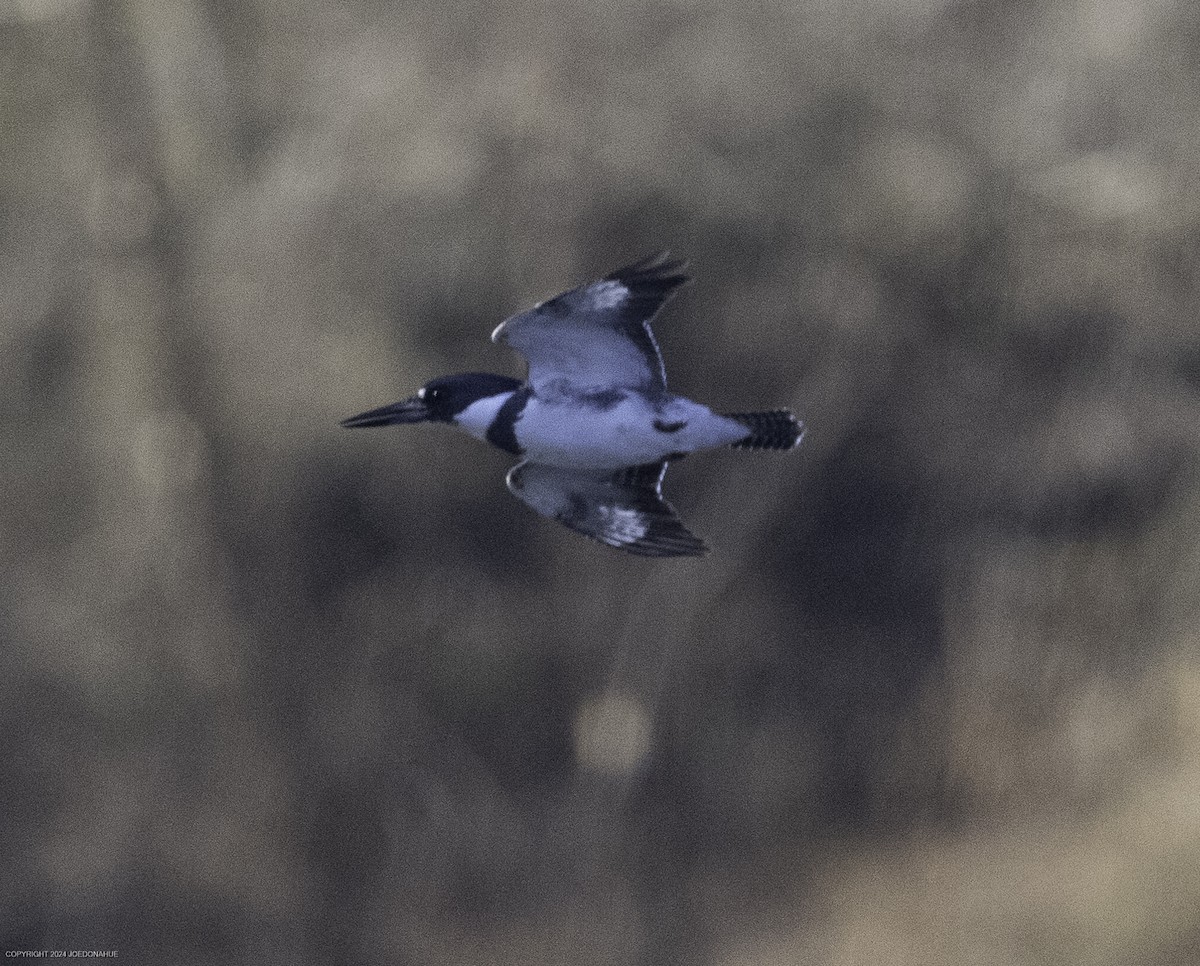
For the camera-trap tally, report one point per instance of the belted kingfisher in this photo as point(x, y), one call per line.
point(593, 419)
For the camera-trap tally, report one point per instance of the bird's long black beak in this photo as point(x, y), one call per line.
point(407, 411)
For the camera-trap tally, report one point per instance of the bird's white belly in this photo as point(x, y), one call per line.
point(624, 435)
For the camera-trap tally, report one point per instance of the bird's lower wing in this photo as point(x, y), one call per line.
point(623, 509)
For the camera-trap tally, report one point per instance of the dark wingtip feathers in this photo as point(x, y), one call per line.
point(667, 537)
point(663, 539)
point(776, 429)
point(654, 274)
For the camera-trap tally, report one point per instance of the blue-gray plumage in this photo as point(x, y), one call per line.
point(593, 418)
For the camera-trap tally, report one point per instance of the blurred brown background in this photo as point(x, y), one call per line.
point(275, 692)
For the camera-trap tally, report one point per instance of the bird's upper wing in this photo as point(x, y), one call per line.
point(598, 335)
point(624, 509)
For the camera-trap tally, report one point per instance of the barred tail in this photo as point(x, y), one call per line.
point(777, 429)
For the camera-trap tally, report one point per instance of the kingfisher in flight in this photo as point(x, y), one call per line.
point(593, 420)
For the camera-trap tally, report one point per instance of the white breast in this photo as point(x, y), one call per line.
point(570, 434)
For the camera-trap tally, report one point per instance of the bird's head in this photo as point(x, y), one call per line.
point(439, 400)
